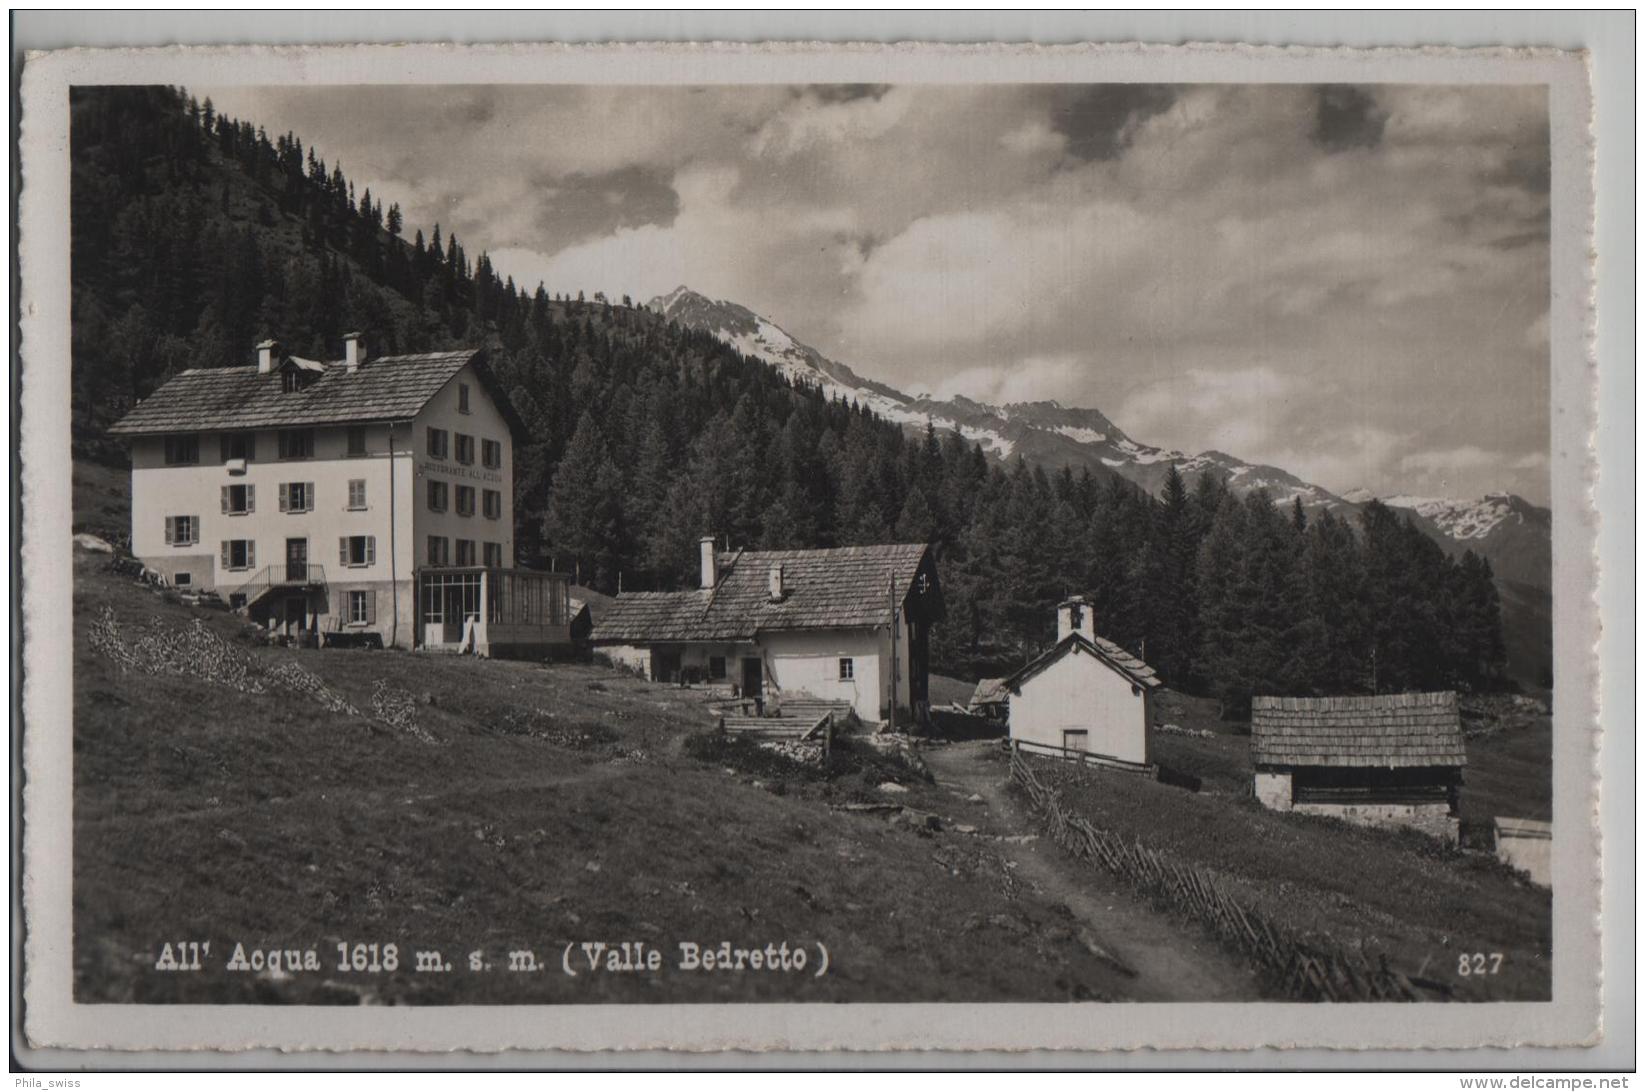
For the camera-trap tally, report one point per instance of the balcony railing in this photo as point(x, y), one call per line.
point(284, 574)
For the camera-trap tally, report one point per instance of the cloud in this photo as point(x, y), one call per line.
point(1347, 117)
point(1100, 120)
point(1031, 379)
point(1311, 276)
point(579, 206)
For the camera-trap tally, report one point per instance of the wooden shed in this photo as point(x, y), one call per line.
point(1380, 759)
point(990, 699)
point(1527, 844)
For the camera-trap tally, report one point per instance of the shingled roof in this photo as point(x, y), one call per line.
point(1105, 651)
point(990, 692)
point(385, 388)
point(1367, 730)
point(844, 588)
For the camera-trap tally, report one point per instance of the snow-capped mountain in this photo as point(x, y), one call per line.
point(1046, 433)
point(1514, 534)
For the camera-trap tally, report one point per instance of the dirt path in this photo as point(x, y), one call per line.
point(1174, 962)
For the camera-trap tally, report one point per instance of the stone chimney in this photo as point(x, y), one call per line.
point(777, 589)
point(354, 351)
point(1074, 615)
point(266, 352)
point(710, 570)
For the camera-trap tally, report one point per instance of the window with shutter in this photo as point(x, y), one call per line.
point(357, 494)
point(182, 530)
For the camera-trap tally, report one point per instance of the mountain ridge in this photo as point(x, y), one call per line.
point(1052, 434)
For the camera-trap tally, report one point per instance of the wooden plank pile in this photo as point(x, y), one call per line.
point(775, 728)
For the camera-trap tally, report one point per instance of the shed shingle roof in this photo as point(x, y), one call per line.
point(1104, 650)
point(989, 691)
point(387, 388)
point(1367, 730)
point(844, 588)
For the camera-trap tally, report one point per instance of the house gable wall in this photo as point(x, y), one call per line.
point(483, 421)
point(1079, 692)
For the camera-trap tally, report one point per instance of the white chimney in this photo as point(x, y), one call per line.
point(777, 590)
point(710, 572)
point(354, 351)
point(1074, 615)
point(266, 351)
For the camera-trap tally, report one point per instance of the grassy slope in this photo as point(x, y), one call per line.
point(1397, 892)
point(201, 812)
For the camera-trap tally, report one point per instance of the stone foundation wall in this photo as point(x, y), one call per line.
point(1431, 819)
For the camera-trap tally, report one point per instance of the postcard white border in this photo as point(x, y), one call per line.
point(52, 1018)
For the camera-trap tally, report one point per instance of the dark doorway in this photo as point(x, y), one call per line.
point(665, 665)
point(452, 629)
point(753, 677)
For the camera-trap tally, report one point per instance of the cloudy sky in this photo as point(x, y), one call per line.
point(1348, 282)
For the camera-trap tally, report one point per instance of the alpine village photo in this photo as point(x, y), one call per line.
point(458, 594)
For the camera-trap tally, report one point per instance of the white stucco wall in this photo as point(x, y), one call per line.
point(1079, 692)
point(809, 663)
point(394, 465)
point(1273, 789)
point(1531, 854)
point(629, 657)
point(158, 491)
point(482, 422)
point(793, 664)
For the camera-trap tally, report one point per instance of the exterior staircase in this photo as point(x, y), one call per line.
point(283, 576)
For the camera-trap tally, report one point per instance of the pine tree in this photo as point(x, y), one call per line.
point(583, 518)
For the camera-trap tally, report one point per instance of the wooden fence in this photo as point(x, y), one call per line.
point(1304, 971)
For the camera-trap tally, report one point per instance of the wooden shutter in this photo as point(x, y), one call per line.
point(308, 496)
point(285, 497)
point(225, 500)
point(342, 551)
point(225, 554)
point(171, 532)
point(371, 606)
point(251, 552)
point(251, 499)
point(371, 549)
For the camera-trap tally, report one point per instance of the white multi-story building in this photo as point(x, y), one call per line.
point(351, 497)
